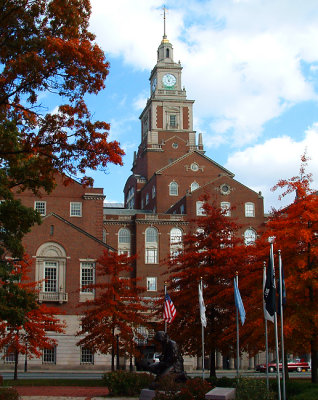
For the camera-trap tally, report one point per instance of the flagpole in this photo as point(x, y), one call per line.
point(237, 337)
point(165, 288)
point(281, 320)
point(276, 330)
point(266, 335)
point(202, 333)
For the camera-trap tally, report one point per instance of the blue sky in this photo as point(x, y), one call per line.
point(250, 65)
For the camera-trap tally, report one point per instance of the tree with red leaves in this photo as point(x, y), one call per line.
point(212, 251)
point(117, 310)
point(295, 229)
point(46, 48)
point(24, 324)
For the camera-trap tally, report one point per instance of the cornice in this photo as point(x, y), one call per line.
point(94, 196)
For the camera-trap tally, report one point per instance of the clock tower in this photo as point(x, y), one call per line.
point(167, 119)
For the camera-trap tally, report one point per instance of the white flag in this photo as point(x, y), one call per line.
point(202, 307)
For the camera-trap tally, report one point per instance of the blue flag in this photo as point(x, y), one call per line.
point(239, 303)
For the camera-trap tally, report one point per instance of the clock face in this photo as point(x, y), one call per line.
point(154, 84)
point(169, 80)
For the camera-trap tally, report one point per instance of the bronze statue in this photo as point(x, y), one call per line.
point(171, 361)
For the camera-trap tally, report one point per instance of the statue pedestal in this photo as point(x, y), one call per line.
point(147, 394)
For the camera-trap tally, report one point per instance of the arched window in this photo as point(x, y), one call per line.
point(249, 209)
point(124, 236)
point(151, 246)
point(194, 186)
point(153, 192)
point(167, 53)
point(124, 241)
point(249, 236)
point(173, 189)
point(175, 235)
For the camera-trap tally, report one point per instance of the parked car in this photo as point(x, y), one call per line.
point(146, 360)
point(292, 365)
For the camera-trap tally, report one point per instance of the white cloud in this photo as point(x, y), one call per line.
point(261, 166)
point(242, 59)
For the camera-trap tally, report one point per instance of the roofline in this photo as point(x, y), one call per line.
point(80, 230)
point(190, 153)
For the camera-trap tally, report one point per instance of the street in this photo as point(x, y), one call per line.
point(98, 375)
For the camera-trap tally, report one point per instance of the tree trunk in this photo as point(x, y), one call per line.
point(16, 360)
point(212, 364)
point(113, 358)
point(314, 362)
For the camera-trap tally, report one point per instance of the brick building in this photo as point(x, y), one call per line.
point(170, 172)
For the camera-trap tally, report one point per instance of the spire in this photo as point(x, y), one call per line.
point(165, 50)
point(164, 38)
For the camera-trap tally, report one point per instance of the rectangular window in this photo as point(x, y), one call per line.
point(151, 284)
point(249, 210)
point(125, 252)
point(151, 256)
point(50, 276)
point(87, 356)
point(9, 358)
point(75, 209)
point(200, 209)
point(226, 208)
point(87, 276)
point(40, 207)
point(49, 356)
point(173, 121)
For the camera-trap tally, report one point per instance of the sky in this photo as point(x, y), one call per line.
point(250, 65)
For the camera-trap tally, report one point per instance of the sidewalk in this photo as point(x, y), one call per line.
point(61, 392)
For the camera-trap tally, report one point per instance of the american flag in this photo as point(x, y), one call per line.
point(169, 310)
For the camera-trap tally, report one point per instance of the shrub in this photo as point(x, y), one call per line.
point(253, 389)
point(192, 389)
point(9, 394)
point(222, 382)
point(124, 383)
point(310, 394)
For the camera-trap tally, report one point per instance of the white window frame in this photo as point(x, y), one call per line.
point(47, 286)
point(199, 208)
point(226, 207)
point(38, 203)
point(194, 186)
point(87, 356)
point(151, 246)
point(151, 256)
point(87, 280)
point(151, 284)
point(49, 355)
point(75, 209)
point(247, 239)
point(173, 188)
point(249, 209)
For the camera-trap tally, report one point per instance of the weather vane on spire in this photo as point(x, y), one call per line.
point(164, 22)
